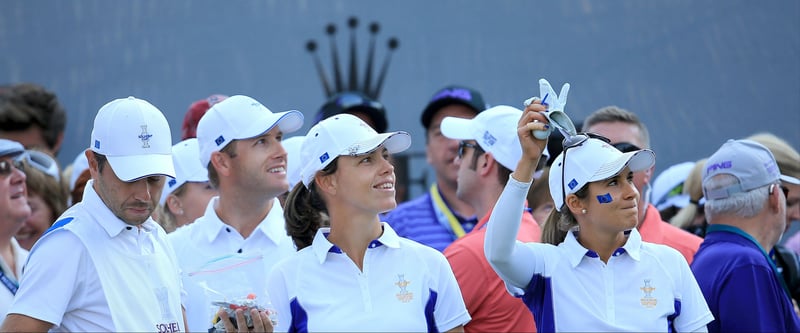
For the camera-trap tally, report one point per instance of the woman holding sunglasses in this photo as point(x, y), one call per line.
point(595, 274)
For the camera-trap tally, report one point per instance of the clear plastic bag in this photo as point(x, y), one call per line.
point(231, 282)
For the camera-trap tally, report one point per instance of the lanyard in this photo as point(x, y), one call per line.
point(10, 284)
point(444, 215)
point(727, 228)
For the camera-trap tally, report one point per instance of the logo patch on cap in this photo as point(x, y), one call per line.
point(489, 138)
point(96, 144)
point(572, 184)
point(323, 158)
point(172, 182)
point(145, 137)
point(219, 140)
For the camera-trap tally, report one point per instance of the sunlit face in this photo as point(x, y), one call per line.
point(440, 150)
point(365, 183)
point(624, 132)
point(193, 201)
point(38, 222)
point(612, 204)
point(132, 202)
point(14, 208)
point(468, 182)
point(260, 164)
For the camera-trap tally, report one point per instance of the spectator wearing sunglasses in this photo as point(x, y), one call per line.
point(628, 133)
point(746, 211)
point(105, 265)
point(439, 217)
point(46, 196)
point(32, 116)
point(594, 273)
point(488, 149)
point(14, 210)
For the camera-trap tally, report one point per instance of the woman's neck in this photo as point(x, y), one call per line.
point(353, 233)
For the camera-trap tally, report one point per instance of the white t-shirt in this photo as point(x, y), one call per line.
point(404, 287)
point(10, 279)
point(218, 264)
point(93, 272)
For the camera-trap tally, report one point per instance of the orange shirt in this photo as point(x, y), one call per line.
point(492, 308)
point(654, 230)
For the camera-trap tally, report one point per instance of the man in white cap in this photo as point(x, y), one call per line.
point(15, 210)
point(105, 265)
point(746, 211)
point(240, 144)
point(489, 149)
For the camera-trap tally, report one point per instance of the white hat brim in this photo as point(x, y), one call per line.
point(131, 168)
point(637, 160)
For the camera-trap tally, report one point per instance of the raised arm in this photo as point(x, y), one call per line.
point(509, 258)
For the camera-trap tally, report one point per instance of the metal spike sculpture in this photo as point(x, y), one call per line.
point(338, 84)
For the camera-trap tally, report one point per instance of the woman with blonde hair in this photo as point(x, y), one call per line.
point(691, 217)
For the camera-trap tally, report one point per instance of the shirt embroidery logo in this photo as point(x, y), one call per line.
point(404, 295)
point(145, 137)
point(648, 301)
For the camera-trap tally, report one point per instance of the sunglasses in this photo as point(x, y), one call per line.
point(346, 101)
point(42, 162)
point(462, 145)
point(568, 143)
point(8, 166)
point(626, 147)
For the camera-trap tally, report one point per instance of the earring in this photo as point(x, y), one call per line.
point(180, 212)
point(583, 210)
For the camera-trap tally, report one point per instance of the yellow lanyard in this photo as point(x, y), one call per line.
point(443, 212)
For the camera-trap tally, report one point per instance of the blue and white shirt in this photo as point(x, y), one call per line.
point(404, 287)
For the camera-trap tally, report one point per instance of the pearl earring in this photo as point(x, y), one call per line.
point(180, 212)
point(583, 210)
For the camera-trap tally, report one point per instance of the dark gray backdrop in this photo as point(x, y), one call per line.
point(697, 72)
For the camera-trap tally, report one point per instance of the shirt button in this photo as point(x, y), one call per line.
point(240, 251)
point(227, 229)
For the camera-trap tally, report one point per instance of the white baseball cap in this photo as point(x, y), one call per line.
point(344, 134)
point(292, 147)
point(186, 158)
point(668, 186)
point(591, 160)
point(495, 130)
point(135, 138)
point(240, 117)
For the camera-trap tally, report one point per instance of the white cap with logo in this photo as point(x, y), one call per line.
point(240, 117)
point(495, 131)
point(589, 161)
point(344, 134)
point(135, 138)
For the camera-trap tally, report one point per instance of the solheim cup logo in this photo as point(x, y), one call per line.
point(145, 137)
point(648, 301)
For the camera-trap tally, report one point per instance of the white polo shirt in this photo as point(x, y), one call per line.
point(404, 287)
point(644, 287)
point(10, 278)
point(218, 264)
point(93, 272)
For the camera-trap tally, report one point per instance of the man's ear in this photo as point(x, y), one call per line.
point(221, 162)
point(487, 164)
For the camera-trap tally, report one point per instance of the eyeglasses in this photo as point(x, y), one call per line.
point(571, 142)
point(8, 166)
point(42, 162)
point(463, 144)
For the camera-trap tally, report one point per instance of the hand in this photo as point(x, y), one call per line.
point(260, 319)
point(531, 122)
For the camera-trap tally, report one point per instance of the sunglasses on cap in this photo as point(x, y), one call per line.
point(626, 147)
point(42, 162)
point(346, 101)
point(571, 142)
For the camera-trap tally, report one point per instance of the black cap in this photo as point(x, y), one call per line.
point(354, 101)
point(453, 95)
